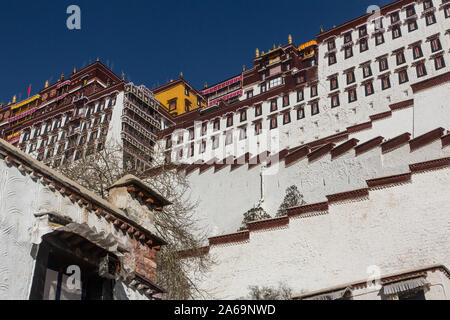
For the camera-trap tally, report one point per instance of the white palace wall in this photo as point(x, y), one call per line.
point(397, 228)
point(226, 194)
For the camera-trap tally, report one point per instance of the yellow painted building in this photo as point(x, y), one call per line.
point(179, 97)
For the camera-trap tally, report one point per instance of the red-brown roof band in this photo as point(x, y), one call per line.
point(320, 149)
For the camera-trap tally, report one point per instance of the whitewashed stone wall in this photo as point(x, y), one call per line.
point(396, 228)
point(21, 200)
point(225, 195)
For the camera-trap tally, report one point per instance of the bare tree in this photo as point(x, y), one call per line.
point(292, 199)
point(176, 223)
point(283, 292)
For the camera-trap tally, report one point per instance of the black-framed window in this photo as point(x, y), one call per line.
point(169, 142)
point(204, 128)
point(300, 112)
point(379, 39)
point(403, 76)
point(412, 26)
point(229, 138)
point(351, 77)
point(383, 64)
point(286, 101)
point(331, 44)
point(242, 133)
point(410, 11)
point(368, 88)
point(314, 91)
point(203, 147)
point(243, 115)
point(249, 94)
point(334, 83)
point(258, 128)
point(301, 78)
point(348, 37)
point(286, 118)
point(435, 45)
point(273, 105)
point(378, 24)
point(430, 19)
point(447, 11)
point(229, 121)
point(300, 95)
point(335, 101)
point(427, 4)
point(421, 70)
point(352, 95)
point(439, 62)
point(191, 134)
point(395, 17)
point(186, 91)
point(367, 71)
point(400, 57)
point(362, 31)
point(417, 52)
point(315, 108)
point(396, 32)
point(363, 45)
point(273, 123)
point(385, 83)
point(332, 59)
point(191, 150)
point(263, 88)
point(258, 110)
point(348, 52)
point(216, 125)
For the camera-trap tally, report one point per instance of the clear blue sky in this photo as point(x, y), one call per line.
point(152, 41)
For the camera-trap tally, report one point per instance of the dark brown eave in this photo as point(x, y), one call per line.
point(299, 211)
point(395, 142)
point(268, 224)
point(144, 191)
point(426, 139)
point(390, 180)
point(369, 145)
point(343, 148)
point(348, 195)
point(432, 82)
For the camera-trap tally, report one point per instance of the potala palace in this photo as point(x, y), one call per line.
point(357, 120)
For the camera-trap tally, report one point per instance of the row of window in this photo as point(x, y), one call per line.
point(383, 64)
point(379, 34)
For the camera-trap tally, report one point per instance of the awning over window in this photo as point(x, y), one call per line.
point(336, 295)
point(101, 239)
point(405, 286)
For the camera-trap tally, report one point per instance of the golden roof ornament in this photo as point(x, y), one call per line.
point(14, 99)
point(63, 76)
point(290, 39)
point(181, 74)
point(98, 59)
point(74, 70)
point(123, 76)
point(257, 52)
point(206, 84)
point(243, 68)
point(46, 84)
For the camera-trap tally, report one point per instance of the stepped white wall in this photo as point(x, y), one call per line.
point(396, 228)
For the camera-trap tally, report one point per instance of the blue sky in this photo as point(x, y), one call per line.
point(152, 41)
